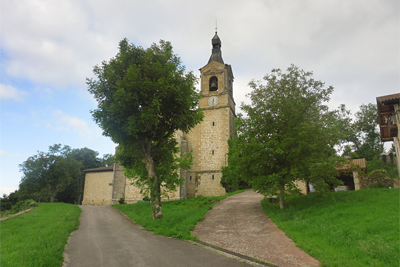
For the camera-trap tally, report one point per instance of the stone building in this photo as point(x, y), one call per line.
point(208, 140)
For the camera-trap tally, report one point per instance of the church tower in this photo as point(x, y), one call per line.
point(209, 139)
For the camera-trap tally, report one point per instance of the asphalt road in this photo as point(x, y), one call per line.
point(106, 238)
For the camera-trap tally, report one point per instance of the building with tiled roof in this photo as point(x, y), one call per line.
point(389, 122)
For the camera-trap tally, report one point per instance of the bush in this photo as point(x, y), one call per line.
point(24, 205)
point(121, 200)
point(6, 202)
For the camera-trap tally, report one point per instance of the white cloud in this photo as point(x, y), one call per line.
point(57, 43)
point(66, 123)
point(4, 153)
point(7, 190)
point(10, 92)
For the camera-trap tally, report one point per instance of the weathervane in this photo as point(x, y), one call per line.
point(216, 27)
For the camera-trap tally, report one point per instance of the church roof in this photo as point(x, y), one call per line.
point(216, 54)
point(101, 169)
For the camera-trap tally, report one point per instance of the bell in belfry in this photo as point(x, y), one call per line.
point(214, 86)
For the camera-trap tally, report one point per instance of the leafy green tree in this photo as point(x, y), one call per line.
point(7, 201)
point(52, 170)
point(144, 96)
point(107, 160)
point(89, 159)
point(288, 134)
point(365, 142)
point(232, 179)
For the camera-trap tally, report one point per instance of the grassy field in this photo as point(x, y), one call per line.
point(353, 228)
point(38, 237)
point(180, 216)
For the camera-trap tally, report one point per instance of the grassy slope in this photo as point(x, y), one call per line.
point(353, 228)
point(180, 216)
point(38, 237)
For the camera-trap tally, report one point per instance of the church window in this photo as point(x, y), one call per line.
point(213, 176)
point(213, 152)
point(213, 83)
point(213, 124)
point(190, 178)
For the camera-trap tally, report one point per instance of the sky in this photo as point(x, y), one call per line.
point(49, 48)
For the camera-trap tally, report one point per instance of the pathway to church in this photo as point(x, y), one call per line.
point(106, 238)
point(238, 224)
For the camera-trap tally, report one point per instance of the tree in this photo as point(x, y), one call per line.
point(288, 134)
point(365, 142)
point(144, 96)
point(52, 170)
point(107, 160)
point(73, 193)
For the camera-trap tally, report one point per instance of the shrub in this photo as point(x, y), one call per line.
point(24, 205)
point(121, 200)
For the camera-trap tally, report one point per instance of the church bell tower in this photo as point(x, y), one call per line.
point(209, 139)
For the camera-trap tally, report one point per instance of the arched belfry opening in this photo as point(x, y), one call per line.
point(213, 83)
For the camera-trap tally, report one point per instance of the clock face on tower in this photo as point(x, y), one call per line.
point(213, 101)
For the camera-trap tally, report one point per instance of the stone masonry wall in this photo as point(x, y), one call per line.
point(132, 193)
point(209, 141)
point(119, 182)
point(98, 190)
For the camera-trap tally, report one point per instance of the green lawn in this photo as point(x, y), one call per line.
point(353, 228)
point(38, 237)
point(180, 216)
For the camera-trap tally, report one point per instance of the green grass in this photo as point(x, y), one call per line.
point(179, 216)
point(352, 228)
point(38, 237)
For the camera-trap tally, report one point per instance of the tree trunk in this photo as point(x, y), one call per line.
point(154, 184)
point(281, 199)
point(155, 198)
point(53, 192)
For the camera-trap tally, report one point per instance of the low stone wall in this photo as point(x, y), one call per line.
point(16, 214)
point(366, 181)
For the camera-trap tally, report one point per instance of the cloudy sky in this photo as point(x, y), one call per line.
point(49, 48)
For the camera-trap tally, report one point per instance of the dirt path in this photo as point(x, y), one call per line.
point(238, 224)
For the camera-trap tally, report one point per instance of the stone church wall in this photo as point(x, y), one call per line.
point(132, 193)
point(98, 188)
point(119, 184)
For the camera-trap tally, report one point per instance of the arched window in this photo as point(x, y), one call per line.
point(213, 83)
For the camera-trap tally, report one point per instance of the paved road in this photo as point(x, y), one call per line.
point(106, 238)
point(239, 224)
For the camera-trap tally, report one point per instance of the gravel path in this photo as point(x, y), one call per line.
point(239, 224)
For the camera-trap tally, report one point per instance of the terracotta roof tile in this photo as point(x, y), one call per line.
point(360, 162)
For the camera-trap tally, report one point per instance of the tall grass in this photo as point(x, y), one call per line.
point(352, 228)
point(38, 237)
point(180, 216)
